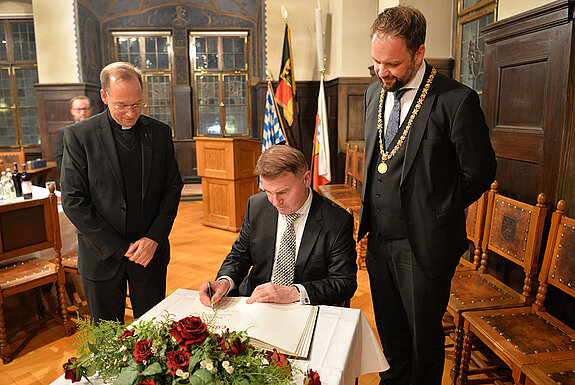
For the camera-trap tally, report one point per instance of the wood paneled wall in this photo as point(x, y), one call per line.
point(529, 103)
point(52, 101)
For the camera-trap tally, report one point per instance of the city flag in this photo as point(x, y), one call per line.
point(285, 93)
point(272, 133)
point(321, 162)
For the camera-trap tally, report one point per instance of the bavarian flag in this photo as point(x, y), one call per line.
point(285, 93)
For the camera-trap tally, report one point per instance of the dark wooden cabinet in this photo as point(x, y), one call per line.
point(528, 102)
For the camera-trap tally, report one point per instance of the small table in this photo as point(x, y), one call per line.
point(344, 346)
point(39, 174)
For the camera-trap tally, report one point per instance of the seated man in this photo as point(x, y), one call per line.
point(298, 244)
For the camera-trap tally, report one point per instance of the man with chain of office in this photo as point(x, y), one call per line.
point(428, 157)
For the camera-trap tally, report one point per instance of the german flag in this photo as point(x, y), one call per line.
point(285, 93)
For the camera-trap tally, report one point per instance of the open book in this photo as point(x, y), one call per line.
point(286, 327)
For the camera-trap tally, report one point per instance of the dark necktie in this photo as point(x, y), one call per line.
point(285, 264)
point(394, 118)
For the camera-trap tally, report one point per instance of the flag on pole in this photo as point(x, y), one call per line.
point(321, 161)
point(272, 133)
point(285, 93)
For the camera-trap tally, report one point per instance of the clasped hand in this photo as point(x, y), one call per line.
point(142, 251)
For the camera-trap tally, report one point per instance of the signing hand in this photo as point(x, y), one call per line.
point(142, 251)
point(219, 289)
point(271, 292)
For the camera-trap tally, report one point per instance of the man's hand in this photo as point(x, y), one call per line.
point(271, 292)
point(219, 289)
point(142, 251)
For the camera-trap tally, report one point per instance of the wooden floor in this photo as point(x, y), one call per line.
point(197, 252)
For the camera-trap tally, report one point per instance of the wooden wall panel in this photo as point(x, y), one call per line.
point(528, 102)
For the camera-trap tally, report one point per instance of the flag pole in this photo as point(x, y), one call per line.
point(269, 80)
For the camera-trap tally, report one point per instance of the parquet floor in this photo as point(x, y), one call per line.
point(197, 252)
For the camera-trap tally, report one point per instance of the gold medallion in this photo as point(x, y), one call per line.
point(382, 168)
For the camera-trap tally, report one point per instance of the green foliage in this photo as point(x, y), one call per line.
point(108, 349)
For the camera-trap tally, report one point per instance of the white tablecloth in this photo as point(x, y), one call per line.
point(344, 346)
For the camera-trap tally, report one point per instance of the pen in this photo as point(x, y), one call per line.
point(211, 293)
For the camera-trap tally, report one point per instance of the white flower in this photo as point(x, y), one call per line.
point(123, 348)
point(185, 375)
point(209, 367)
point(204, 363)
point(226, 364)
point(179, 372)
point(230, 369)
point(265, 361)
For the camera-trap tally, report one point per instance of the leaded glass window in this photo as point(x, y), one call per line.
point(18, 75)
point(221, 78)
point(473, 15)
point(152, 53)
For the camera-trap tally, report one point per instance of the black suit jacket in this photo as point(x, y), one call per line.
point(59, 146)
point(449, 162)
point(93, 195)
point(325, 263)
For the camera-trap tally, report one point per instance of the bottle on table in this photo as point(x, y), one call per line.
point(26, 183)
point(9, 187)
point(17, 178)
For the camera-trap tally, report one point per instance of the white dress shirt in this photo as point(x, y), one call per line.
point(407, 99)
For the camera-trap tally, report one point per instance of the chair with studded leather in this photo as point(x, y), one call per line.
point(25, 227)
point(527, 336)
point(513, 230)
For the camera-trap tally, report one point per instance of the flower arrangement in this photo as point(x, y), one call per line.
point(167, 352)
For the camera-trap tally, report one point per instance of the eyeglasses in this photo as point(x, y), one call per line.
point(82, 109)
point(126, 107)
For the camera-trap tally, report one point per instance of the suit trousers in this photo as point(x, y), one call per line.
point(408, 307)
point(107, 299)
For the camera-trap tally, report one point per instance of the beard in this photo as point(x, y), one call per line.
point(400, 82)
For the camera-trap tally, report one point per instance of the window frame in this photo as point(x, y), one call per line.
point(141, 35)
point(11, 65)
point(221, 72)
point(466, 15)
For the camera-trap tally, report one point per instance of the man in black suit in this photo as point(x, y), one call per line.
point(428, 157)
point(80, 109)
point(121, 189)
point(321, 251)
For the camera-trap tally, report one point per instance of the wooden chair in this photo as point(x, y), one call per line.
point(349, 161)
point(525, 336)
point(9, 157)
point(514, 230)
point(475, 228)
point(550, 373)
point(26, 227)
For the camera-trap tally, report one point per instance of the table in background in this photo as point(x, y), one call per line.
point(67, 230)
point(39, 175)
point(344, 346)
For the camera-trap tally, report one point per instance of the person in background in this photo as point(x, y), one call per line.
point(428, 157)
point(121, 188)
point(80, 109)
point(294, 244)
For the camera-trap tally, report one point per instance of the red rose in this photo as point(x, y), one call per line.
point(72, 370)
point(178, 359)
point(277, 358)
point(147, 382)
point(127, 333)
point(189, 331)
point(311, 378)
point(232, 347)
point(142, 350)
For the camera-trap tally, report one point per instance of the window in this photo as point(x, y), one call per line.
point(152, 53)
point(472, 16)
point(18, 74)
point(220, 74)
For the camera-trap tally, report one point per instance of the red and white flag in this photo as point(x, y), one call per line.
point(321, 161)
